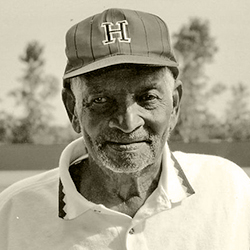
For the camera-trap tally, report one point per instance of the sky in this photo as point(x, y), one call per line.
point(47, 21)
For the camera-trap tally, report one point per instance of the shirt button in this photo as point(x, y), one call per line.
point(131, 231)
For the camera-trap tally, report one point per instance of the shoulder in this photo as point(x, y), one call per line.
point(38, 184)
point(202, 161)
point(214, 170)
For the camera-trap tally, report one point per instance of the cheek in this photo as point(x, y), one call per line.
point(92, 124)
point(160, 118)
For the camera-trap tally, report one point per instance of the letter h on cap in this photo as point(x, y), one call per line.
point(121, 31)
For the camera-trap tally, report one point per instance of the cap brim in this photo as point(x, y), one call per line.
point(120, 59)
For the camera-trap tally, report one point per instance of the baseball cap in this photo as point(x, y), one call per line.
point(118, 36)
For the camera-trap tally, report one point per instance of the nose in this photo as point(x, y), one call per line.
point(127, 119)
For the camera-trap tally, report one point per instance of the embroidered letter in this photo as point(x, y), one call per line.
point(121, 31)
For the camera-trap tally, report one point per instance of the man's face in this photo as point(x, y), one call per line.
point(125, 117)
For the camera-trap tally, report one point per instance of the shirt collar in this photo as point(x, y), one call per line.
point(71, 202)
point(173, 181)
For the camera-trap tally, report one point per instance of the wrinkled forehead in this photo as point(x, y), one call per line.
point(132, 78)
point(126, 73)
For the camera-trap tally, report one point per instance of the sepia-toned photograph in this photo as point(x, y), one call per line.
point(125, 125)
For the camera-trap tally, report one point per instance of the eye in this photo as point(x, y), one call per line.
point(100, 100)
point(148, 98)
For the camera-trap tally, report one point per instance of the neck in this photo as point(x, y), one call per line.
point(101, 185)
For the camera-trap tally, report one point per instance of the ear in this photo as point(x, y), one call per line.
point(69, 103)
point(177, 94)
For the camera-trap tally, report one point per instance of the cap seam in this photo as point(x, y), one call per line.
point(105, 18)
point(163, 47)
point(90, 38)
point(144, 31)
point(167, 37)
point(130, 48)
point(75, 43)
point(118, 44)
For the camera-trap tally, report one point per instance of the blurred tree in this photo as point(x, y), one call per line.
point(238, 113)
point(195, 48)
point(3, 122)
point(33, 95)
point(2, 127)
point(57, 134)
point(7, 122)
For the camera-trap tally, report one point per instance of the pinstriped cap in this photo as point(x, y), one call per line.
point(118, 36)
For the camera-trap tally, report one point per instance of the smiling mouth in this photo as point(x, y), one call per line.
point(126, 146)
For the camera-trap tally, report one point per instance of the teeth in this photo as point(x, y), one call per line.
point(126, 146)
point(126, 142)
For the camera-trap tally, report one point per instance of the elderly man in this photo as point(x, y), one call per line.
point(129, 192)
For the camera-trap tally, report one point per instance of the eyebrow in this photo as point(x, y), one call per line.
point(96, 91)
point(149, 86)
point(146, 85)
point(95, 88)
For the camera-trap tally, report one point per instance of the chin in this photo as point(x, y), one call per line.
point(126, 163)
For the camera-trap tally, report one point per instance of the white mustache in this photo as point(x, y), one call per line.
point(117, 136)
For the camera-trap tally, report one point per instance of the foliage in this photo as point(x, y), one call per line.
point(195, 48)
point(238, 113)
point(36, 88)
point(55, 134)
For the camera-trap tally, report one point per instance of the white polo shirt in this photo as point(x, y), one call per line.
point(47, 212)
